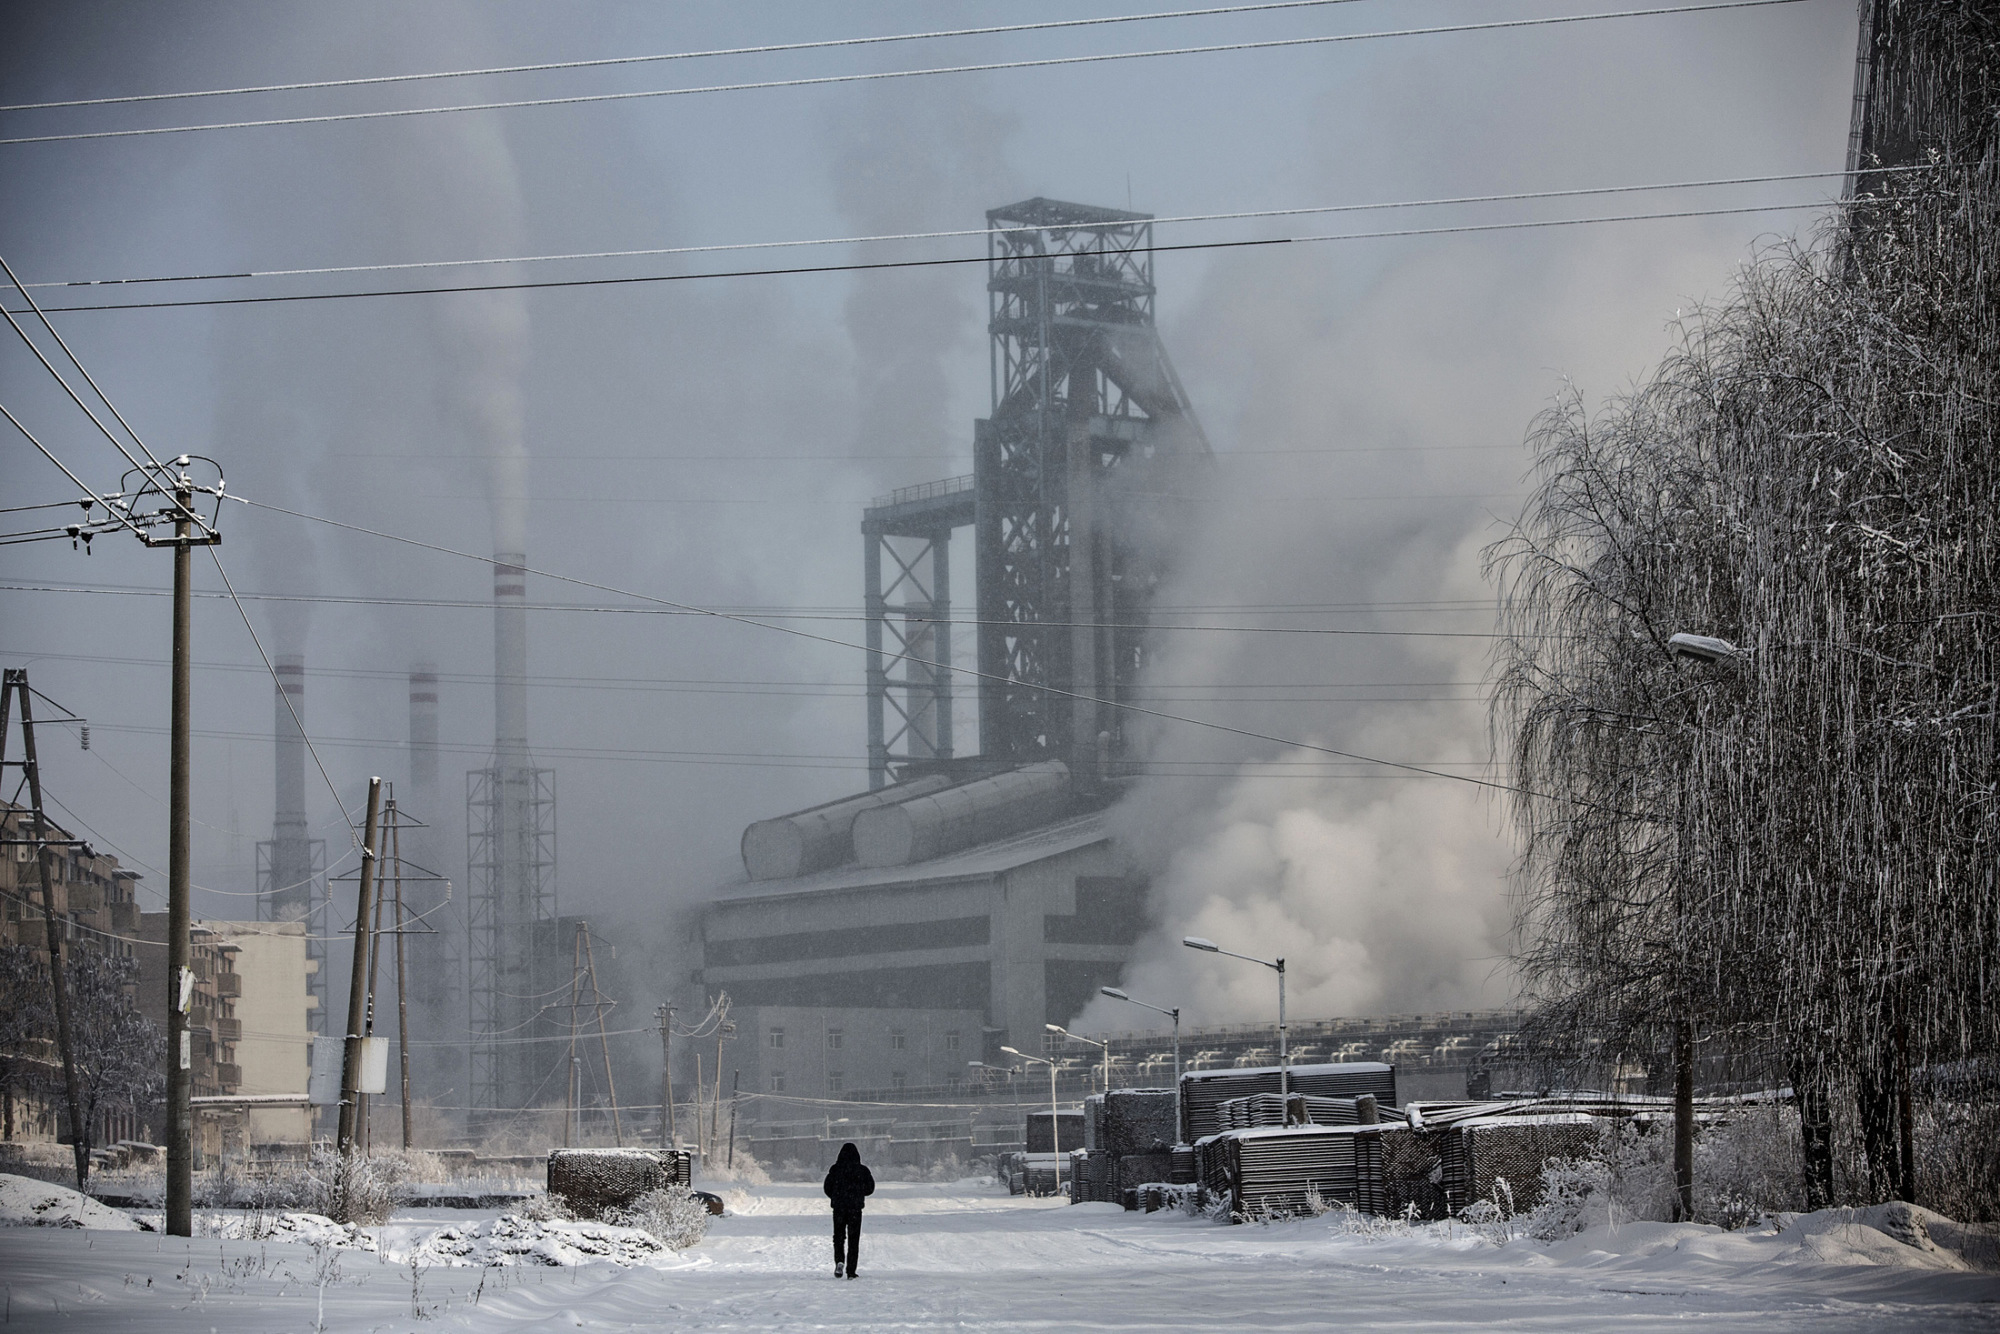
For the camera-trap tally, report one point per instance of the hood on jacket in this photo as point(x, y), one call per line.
point(848, 1154)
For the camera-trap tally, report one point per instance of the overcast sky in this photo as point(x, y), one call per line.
point(713, 441)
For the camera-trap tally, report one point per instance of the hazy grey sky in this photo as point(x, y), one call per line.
point(714, 441)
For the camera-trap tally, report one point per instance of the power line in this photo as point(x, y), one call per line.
point(766, 49)
point(870, 266)
point(64, 467)
point(1047, 62)
point(814, 636)
point(645, 683)
point(736, 758)
point(291, 708)
point(1241, 215)
point(675, 609)
point(76, 398)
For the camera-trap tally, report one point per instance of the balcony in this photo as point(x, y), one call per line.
point(228, 984)
point(229, 1076)
point(229, 1030)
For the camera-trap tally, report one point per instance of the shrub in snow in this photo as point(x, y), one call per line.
point(1574, 1191)
point(1958, 1159)
point(747, 1171)
point(546, 1208)
point(674, 1215)
point(347, 1187)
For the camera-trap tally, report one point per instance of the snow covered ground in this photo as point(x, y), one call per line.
point(968, 1256)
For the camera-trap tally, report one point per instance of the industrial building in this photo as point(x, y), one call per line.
point(984, 885)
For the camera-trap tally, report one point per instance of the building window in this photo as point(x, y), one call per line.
point(776, 1038)
point(835, 1039)
point(1052, 1042)
point(833, 1078)
point(897, 1079)
point(777, 1081)
point(898, 1039)
point(951, 1040)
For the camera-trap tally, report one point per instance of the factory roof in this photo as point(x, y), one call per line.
point(986, 859)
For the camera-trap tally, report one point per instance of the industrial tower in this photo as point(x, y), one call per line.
point(1073, 500)
point(291, 865)
point(510, 838)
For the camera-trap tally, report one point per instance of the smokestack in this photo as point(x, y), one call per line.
point(290, 888)
point(424, 735)
point(290, 716)
point(510, 660)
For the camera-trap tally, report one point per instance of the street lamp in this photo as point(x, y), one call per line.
point(1058, 1028)
point(1714, 651)
point(1055, 1117)
point(1284, 1057)
point(1175, 1015)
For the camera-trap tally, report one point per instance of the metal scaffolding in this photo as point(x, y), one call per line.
point(906, 539)
point(510, 853)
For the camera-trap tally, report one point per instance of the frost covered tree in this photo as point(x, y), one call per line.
point(117, 1047)
point(27, 1030)
point(1795, 844)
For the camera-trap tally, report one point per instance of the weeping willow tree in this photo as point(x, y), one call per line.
point(1795, 842)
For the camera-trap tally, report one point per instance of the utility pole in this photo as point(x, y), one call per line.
point(180, 853)
point(402, 979)
point(366, 1129)
point(668, 1134)
point(16, 686)
point(603, 1038)
point(735, 1101)
point(572, 1112)
point(357, 990)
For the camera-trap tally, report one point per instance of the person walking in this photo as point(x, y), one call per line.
point(849, 1183)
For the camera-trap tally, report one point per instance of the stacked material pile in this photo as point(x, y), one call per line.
point(1284, 1170)
point(1093, 1178)
point(593, 1180)
point(1269, 1109)
point(1128, 1136)
point(1478, 1154)
point(1204, 1091)
point(1137, 1121)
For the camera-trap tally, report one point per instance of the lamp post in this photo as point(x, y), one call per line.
point(1175, 1015)
point(1707, 649)
point(1105, 1046)
point(1055, 1117)
point(1284, 1056)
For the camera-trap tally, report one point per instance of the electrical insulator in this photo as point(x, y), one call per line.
point(84, 732)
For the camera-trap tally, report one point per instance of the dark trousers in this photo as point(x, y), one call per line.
point(846, 1233)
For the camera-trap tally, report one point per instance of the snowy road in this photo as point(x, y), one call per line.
point(968, 1256)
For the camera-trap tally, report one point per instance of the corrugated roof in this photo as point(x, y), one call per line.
point(968, 863)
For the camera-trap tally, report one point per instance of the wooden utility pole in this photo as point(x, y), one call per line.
point(668, 1134)
point(180, 854)
point(365, 1131)
point(571, 1110)
point(16, 687)
point(402, 980)
point(735, 1101)
point(603, 1038)
point(357, 989)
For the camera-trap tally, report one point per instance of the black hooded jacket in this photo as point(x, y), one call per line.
point(849, 1183)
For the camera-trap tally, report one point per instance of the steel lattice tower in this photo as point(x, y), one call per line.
point(510, 837)
point(1077, 478)
point(1074, 501)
